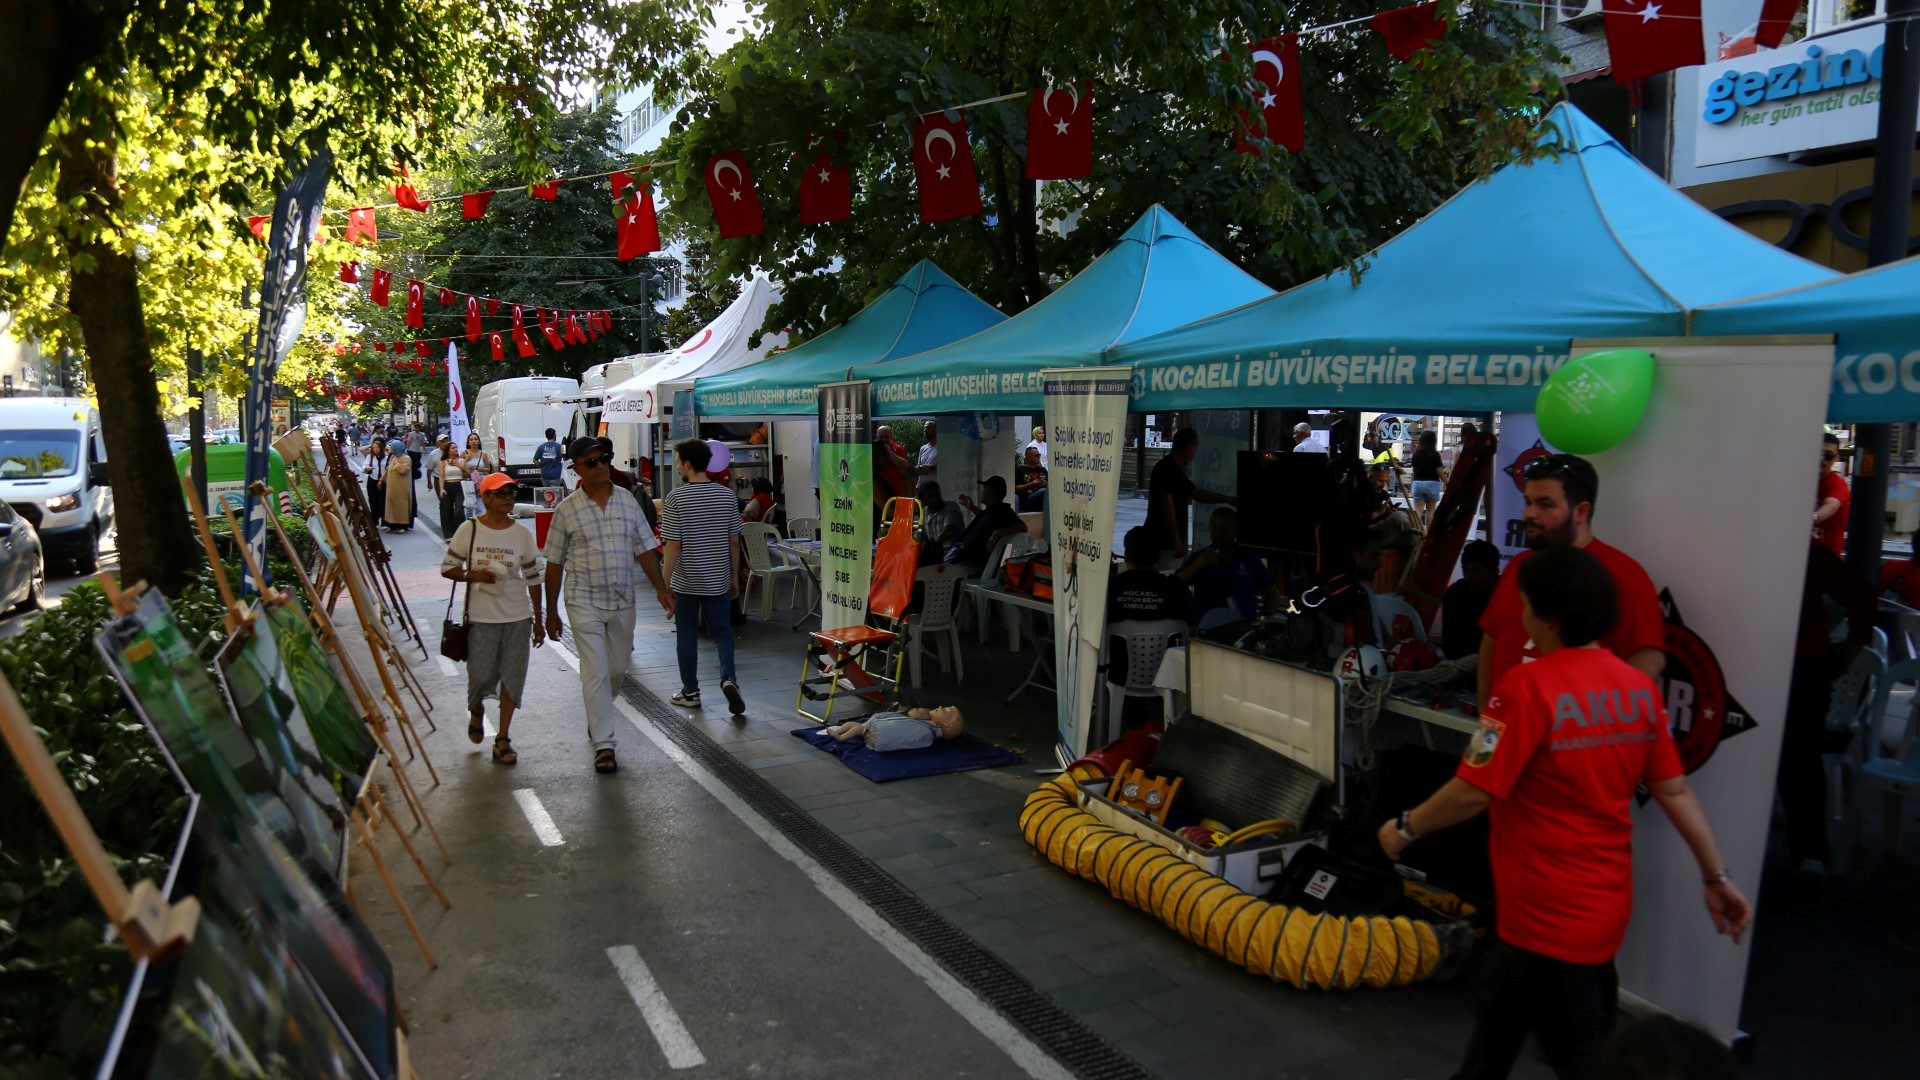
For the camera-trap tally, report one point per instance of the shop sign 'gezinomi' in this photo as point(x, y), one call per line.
point(1819, 92)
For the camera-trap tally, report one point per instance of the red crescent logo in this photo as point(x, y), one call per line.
point(704, 335)
point(649, 409)
point(455, 387)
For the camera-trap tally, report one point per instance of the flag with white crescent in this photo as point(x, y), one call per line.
point(736, 204)
point(826, 188)
point(943, 167)
point(1276, 90)
point(638, 229)
point(473, 317)
point(456, 401)
point(1060, 133)
point(416, 305)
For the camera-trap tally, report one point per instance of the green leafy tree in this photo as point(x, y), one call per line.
point(240, 94)
point(1386, 141)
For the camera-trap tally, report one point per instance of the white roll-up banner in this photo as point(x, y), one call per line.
point(1086, 423)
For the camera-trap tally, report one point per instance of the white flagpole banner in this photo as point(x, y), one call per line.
point(1086, 421)
point(457, 428)
point(1732, 613)
point(1520, 445)
point(846, 497)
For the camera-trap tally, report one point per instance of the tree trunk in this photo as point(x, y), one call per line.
point(42, 52)
point(156, 539)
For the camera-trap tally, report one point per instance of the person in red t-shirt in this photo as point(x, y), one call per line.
point(1830, 501)
point(1561, 490)
point(1563, 743)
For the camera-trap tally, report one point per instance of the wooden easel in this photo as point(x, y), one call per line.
point(149, 926)
point(360, 518)
point(237, 618)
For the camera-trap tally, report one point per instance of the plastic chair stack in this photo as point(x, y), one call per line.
point(934, 624)
point(1146, 643)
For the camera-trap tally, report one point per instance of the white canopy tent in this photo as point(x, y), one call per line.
point(722, 345)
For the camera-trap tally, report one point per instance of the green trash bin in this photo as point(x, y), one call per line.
point(227, 474)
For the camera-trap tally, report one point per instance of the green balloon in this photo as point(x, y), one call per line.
point(1595, 401)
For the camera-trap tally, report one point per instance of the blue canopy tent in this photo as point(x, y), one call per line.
point(1158, 275)
point(1475, 305)
point(923, 310)
point(1876, 313)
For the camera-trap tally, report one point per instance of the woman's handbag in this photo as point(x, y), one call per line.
point(453, 636)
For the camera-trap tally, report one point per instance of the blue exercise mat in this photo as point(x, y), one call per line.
point(947, 756)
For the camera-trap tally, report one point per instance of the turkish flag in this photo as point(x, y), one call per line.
point(1647, 37)
point(522, 340)
point(420, 348)
point(350, 273)
point(736, 204)
point(575, 335)
point(474, 204)
point(361, 227)
point(378, 294)
point(943, 167)
point(548, 191)
point(499, 344)
point(408, 198)
point(1776, 16)
point(638, 228)
point(473, 318)
point(553, 335)
point(446, 296)
point(257, 225)
point(621, 181)
point(519, 320)
point(379, 346)
point(492, 306)
point(826, 188)
point(1060, 133)
point(1276, 87)
point(1408, 30)
point(416, 305)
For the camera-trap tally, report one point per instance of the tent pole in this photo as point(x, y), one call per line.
point(1886, 242)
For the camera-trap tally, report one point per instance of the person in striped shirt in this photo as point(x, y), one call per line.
point(700, 530)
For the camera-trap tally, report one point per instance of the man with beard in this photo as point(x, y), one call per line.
point(1560, 492)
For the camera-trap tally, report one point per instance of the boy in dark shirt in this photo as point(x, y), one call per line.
point(1466, 600)
point(1140, 592)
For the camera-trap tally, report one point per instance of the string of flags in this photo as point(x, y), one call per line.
point(560, 327)
point(1644, 37)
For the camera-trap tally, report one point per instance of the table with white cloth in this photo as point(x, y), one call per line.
point(1021, 607)
point(807, 554)
point(1172, 676)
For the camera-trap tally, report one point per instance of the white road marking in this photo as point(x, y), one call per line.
point(668, 1031)
point(1026, 1053)
point(537, 817)
point(486, 725)
point(446, 666)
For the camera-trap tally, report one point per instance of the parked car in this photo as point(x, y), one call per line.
point(53, 473)
point(23, 565)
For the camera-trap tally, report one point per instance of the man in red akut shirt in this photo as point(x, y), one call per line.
point(1830, 500)
point(1563, 743)
point(1561, 490)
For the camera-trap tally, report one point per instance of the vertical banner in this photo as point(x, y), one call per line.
point(970, 445)
point(1223, 434)
point(684, 425)
point(1086, 422)
point(1731, 623)
point(457, 427)
point(283, 311)
point(1520, 444)
point(846, 498)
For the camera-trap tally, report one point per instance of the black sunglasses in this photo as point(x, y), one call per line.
point(503, 489)
point(1829, 455)
point(1549, 467)
point(590, 462)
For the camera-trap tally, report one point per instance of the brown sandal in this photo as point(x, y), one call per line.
point(503, 751)
point(474, 731)
point(603, 761)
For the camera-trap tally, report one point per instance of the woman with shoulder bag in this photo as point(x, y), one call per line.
point(496, 557)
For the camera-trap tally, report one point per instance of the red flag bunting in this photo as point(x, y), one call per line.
point(350, 273)
point(1060, 133)
point(552, 332)
point(548, 191)
point(736, 204)
point(519, 320)
point(620, 181)
point(1776, 17)
point(378, 294)
point(446, 296)
point(361, 228)
point(1276, 89)
point(943, 168)
point(420, 348)
point(1408, 30)
point(499, 345)
point(638, 228)
point(379, 346)
point(492, 306)
point(408, 198)
point(474, 204)
point(522, 340)
point(473, 318)
point(575, 336)
point(416, 304)
point(257, 225)
point(826, 188)
point(1647, 37)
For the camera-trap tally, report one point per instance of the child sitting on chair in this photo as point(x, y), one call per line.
point(909, 730)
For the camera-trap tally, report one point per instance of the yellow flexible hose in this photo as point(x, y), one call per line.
point(1286, 944)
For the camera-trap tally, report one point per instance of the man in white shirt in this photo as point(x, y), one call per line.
point(1039, 442)
point(1303, 439)
point(929, 460)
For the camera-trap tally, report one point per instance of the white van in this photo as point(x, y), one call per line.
point(512, 417)
point(53, 472)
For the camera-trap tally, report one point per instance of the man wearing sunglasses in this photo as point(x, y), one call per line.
point(1560, 491)
point(1830, 503)
point(598, 536)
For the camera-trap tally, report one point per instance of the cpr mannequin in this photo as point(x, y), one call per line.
point(909, 730)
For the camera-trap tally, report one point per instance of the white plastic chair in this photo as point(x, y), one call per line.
point(1850, 711)
point(941, 594)
point(990, 575)
point(1896, 776)
point(761, 568)
point(1146, 643)
point(1386, 609)
point(803, 528)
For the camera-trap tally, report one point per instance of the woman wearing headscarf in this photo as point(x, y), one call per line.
point(398, 485)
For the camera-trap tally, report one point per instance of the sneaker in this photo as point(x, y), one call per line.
point(734, 701)
point(686, 700)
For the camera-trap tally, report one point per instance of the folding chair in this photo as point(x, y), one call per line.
point(869, 658)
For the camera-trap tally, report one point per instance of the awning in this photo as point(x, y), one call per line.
point(724, 344)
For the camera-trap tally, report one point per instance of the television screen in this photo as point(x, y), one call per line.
point(1284, 497)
